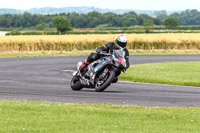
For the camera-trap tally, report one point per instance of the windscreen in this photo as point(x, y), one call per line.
point(120, 54)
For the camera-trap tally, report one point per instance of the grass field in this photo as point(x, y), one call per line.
point(86, 52)
point(44, 53)
point(175, 73)
point(43, 117)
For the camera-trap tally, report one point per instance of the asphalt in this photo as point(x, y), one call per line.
point(48, 79)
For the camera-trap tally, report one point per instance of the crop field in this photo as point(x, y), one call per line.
point(91, 42)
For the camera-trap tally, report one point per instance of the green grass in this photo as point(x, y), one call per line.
point(174, 73)
point(42, 54)
point(85, 53)
point(145, 52)
point(45, 53)
point(19, 117)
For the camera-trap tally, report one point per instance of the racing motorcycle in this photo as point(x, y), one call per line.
point(101, 73)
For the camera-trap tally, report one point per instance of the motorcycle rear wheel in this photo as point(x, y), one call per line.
point(104, 85)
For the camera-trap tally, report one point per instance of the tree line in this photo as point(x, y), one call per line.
point(187, 17)
point(89, 20)
point(96, 19)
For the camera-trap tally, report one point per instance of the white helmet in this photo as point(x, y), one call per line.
point(120, 41)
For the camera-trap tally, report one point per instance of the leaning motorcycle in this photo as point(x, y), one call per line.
point(101, 73)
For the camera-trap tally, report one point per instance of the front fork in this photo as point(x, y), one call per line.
point(104, 72)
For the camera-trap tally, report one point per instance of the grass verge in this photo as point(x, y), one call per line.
point(174, 73)
point(86, 52)
point(44, 53)
point(46, 117)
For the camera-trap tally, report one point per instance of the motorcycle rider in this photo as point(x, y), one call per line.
point(119, 43)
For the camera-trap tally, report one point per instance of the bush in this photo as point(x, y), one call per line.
point(15, 32)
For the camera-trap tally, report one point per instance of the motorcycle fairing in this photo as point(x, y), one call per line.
point(92, 71)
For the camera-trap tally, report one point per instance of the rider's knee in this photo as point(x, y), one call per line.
point(92, 57)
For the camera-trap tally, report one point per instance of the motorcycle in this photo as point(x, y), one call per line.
point(100, 73)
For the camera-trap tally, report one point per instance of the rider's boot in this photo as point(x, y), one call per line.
point(84, 65)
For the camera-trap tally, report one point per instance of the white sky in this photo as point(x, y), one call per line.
point(111, 4)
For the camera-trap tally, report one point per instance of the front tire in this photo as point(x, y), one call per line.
point(104, 85)
point(76, 84)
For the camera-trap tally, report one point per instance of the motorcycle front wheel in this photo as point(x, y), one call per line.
point(102, 84)
point(76, 84)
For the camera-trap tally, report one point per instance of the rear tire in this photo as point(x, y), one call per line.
point(76, 84)
point(106, 83)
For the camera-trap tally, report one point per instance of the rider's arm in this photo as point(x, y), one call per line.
point(104, 48)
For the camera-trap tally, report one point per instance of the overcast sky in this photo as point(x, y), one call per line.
point(111, 4)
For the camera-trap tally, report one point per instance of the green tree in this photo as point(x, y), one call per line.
point(62, 24)
point(125, 23)
point(171, 22)
point(128, 19)
point(147, 24)
point(41, 26)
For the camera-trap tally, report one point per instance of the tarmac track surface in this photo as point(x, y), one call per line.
point(48, 79)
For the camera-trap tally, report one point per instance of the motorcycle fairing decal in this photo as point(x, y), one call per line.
point(93, 76)
point(97, 68)
point(85, 82)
